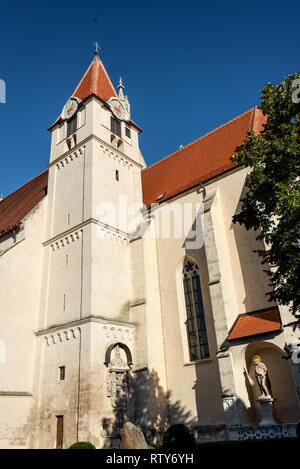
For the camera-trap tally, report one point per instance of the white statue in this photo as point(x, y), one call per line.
point(262, 377)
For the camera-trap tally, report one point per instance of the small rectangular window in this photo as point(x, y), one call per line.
point(127, 132)
point(61, 373)
point(72, 125)
point(115, 126)
point(117, 175)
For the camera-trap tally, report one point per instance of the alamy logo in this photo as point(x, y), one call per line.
point(2, 352)
point(172, 220)
point(2, 91)
point(296, 92)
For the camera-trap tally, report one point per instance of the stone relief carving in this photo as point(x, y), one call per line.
point(118, 386)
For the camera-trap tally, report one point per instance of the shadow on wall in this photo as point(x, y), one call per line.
point(208, 394)
point(255, 280)
point(147, 405)
point(234, 406)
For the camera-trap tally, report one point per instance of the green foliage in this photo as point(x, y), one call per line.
point(82, 445)
point(178, 436)
point(272, 203)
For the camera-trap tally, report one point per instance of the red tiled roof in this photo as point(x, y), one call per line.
point(95, 81)
point(258, 322)
point(200, 160)
point(20, 202)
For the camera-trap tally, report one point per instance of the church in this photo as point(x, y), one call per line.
point(128, 294)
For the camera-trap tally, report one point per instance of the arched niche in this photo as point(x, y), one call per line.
point(286, 404)
point(118, 359)
point(123, 347)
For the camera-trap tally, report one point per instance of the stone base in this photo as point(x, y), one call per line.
point(209, 433)
point(284, 430)
point(267, 409)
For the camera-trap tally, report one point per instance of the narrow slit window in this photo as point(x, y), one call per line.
point(117, 175)
point(62, 373)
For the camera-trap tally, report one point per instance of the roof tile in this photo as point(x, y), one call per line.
point(19, 203)
point(258, 322)
point(200, 160)
point(95, 81)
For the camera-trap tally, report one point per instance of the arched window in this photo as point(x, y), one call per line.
point(195, 320)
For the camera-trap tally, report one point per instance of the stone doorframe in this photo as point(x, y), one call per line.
point(229, 397)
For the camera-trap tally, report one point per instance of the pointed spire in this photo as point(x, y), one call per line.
point(95, 81)
point(121, 88)
point(123, 98)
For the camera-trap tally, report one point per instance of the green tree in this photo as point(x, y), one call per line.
point(271, 204)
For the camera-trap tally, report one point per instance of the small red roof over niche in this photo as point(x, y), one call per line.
point(206, 157)
point(20, 202)
point(257, 322)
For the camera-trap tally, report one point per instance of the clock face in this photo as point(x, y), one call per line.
point(70, 108)
point(117, 108)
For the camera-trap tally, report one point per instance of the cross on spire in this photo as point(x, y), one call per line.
point(97, 48)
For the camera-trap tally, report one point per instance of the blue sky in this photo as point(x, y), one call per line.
point(188, 67)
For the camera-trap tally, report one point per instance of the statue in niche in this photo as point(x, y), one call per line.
point(262, 377)
point(118, 385)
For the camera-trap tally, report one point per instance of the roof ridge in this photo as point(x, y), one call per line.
point(198, 139)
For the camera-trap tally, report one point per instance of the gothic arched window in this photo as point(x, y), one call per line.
point(195, 320)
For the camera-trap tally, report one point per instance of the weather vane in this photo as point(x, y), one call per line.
point(97, 48)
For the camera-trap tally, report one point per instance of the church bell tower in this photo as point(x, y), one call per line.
point(86, 336)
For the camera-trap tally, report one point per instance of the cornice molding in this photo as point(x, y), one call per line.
point(72, 324)
point(65, 234)
point(92, 136)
